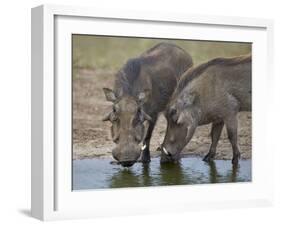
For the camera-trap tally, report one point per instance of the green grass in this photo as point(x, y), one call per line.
point(99, 52)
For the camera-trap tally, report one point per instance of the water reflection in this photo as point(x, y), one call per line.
point(215, 176)
point(171, 174)
point(233, 173)
point(146, 177)
point(130, 177)
point(125, 178)
point(213, 172)
point(99, 173)
point(149, 175)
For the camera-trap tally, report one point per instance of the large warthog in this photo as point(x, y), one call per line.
point(142, 89)
point(213, 92)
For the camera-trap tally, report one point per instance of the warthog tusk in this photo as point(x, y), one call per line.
point(143, 147)
point(165, 151)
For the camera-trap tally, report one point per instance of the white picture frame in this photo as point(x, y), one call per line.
point(52, 197)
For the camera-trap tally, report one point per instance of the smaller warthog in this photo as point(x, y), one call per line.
point(213, 92)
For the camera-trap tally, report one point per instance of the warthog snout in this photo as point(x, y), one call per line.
point(168, 156)
point(127, 155)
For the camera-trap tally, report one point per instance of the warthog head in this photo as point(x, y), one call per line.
point(181, 124)
point(128, 128)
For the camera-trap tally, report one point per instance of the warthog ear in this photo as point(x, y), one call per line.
point(172, 113)
point(109, 95)
point(142, 97)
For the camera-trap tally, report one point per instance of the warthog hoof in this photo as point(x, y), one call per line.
point(236, 158)
point(209, 157)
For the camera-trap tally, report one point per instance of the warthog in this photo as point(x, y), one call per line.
point(213, 92)
point(142, 89)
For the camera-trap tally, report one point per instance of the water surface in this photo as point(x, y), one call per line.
point(99, 173)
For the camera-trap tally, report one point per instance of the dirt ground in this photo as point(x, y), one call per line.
point(91, 136)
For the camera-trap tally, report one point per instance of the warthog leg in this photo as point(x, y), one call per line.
point(231, 126)
point(215, 135)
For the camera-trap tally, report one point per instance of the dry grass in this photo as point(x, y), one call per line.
point(99, 52)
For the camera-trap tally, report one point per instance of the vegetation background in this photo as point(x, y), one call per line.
point(102, 52)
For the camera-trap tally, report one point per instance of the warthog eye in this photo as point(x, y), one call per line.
point(173, 114)
point(173, 111)
point(114, 113)
point(114, 109)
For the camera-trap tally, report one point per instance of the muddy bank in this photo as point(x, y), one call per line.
point(91, 136)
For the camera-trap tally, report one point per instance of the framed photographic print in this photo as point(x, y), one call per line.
point(137, 112)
